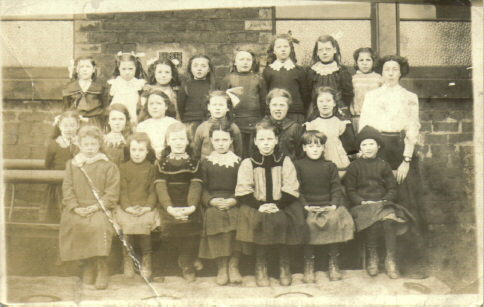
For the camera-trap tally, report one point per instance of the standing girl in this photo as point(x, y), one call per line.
point(84, 93)
point(157, 107)
point(339, 133)
point(128, 82)
point(61, 148)
point(251, 107)
point(85, 232)
point(328, 71)
point(364, 80)
point(219, 106)
point(269, 214)
point(179, 187)
point(201, 80)
point(136, 214)
point(322, 197)
point(279, 102)
point(163, 75)
point(119, 129)
point(219, 173)
point(282, 72)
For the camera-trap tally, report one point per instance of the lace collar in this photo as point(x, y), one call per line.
point(176, 156)
point(80, 159)
point(325, 69)
point(277, 65)
point(114, 139)
point(228, 159)
point(63, 142)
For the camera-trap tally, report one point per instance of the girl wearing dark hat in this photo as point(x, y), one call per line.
point(394, 112)
point(372, 191)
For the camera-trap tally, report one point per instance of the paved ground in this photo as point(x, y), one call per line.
point(355, 283)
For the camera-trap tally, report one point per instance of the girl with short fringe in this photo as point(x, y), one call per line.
point(270, 214)
point(85, 232)
point(282, 72)
point(364, 80)
point(326, 70)
point(128, 82)
point(219, 173)
point(118, 131)
point(219, 106)
point(178, 187)
point(162, 75)
point(84, 93)
point(251, 105)
point(322, 196)
point(194, 91)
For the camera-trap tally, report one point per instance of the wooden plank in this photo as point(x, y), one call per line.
point(439, 88)
point(33, 176)
point(387, 28)
point(32, 230)
point(22, 164)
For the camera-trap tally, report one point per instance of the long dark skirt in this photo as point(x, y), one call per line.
point(330, 226)
point(287, 226)
point(50, 208)
point(218, 233)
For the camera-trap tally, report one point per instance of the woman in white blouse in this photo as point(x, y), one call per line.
point(394, 112)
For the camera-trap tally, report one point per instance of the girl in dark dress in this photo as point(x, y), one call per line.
point(178, 186)
point(61, 148)
point(219, 173)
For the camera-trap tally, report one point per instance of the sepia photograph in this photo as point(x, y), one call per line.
point(242, 153)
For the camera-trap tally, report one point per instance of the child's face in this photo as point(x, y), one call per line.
point(391, 72)
point(243, 61)
point(365, 62)
point(156, 106)
point(266, 141)
point(326, 51)
point(89, 146)
point(163, 74)
point(85, 69)
point(282, 49)
point(200, 68)
point(313, 150)
point(177, 141)
point(138, 151)
point(369, 148)
point(278, 107)
point(127, 69)
point(217, 106)
point(68, 127)
point(221, 141)
point(117, 121)
point(325, 104)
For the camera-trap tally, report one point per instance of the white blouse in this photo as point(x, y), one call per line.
point(156, 130)
point(392, 109)
point(126, 93)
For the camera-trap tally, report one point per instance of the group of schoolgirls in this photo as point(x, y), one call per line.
point(206, 200)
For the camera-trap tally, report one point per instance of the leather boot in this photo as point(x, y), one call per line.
point(89, 271)
point(189, 274)
point(285, 277)
point(234, 274)
point(391, 266)
point(333, 268)
point(102, 273)
point(261, 278)
point(372, 261)
point(146, 266)
point(128, 265)
point(222, 274)
point(309, 276)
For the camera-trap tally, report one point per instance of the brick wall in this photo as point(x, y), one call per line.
point(446, 134)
